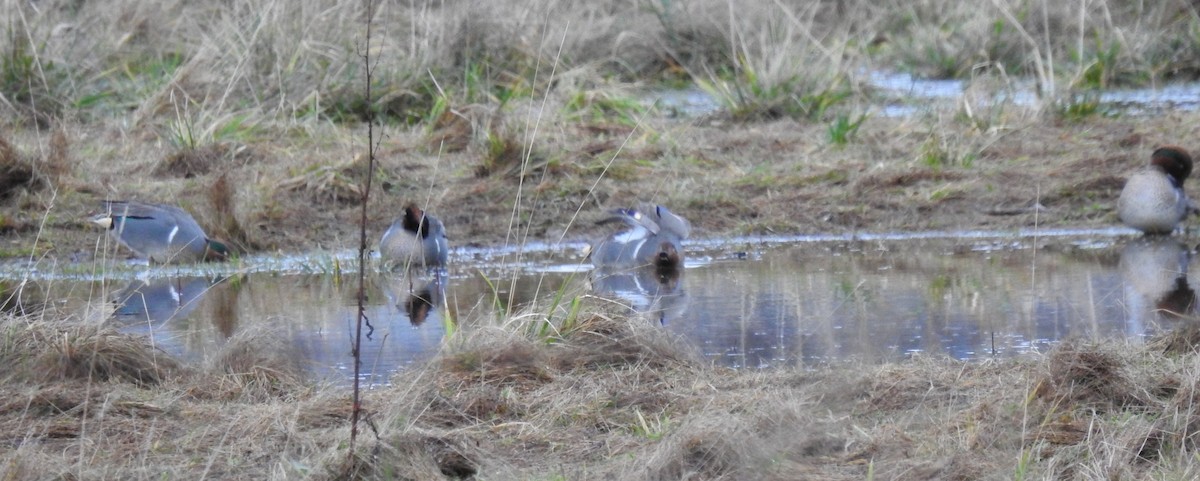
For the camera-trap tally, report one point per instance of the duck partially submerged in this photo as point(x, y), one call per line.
point(415, 239)
point(654, 238)
point(1153, 200)
point(159, 232)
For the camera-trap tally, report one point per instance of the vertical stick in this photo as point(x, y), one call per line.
point(362, 229)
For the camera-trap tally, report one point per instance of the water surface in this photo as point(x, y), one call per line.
point(746, 303)
point(911, 95)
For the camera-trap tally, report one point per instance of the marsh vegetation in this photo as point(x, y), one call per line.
point(516, 122)
point(608, 396)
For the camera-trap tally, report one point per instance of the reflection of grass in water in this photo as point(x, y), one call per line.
point(500, 393)
point(939, 284)
point(852, 290)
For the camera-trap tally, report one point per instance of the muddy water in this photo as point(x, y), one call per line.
point(745, 303)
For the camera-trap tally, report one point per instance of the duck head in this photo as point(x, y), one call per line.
point(215, 251)
point(668, 257)
point(1174, 161)
point(415, 221)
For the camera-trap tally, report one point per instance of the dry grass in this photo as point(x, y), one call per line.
point(213, 71)
point(162, 102)
point(246, 113)
point(608, 397)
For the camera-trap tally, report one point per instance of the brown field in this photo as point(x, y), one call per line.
point(515, 121)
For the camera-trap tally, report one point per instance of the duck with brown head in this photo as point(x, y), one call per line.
point(1153, 200)
point(654, 238)
point(415, 239)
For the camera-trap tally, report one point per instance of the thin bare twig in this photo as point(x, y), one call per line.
point(372, 146)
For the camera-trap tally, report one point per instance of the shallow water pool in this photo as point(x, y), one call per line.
point(745, 303)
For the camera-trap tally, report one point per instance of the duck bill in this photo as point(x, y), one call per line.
point(102, 220)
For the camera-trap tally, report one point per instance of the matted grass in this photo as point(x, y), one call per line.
point(609, 397)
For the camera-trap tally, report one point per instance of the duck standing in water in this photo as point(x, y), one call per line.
point(1153, 200)
point(416, 238)
point(654, 238)
point(159, 232)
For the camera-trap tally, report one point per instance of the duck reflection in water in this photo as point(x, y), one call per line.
point(419, 302)
point(157, 301)
point(1154, 270)
point(643, 263)
point(650, 291)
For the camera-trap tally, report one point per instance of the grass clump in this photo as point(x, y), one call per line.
point(844, 128)
point(30, 83)
point(613, 397)
point(603, 106)
point(44, 352)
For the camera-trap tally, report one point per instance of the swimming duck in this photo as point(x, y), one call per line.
point(416, 237)
point(655, 238)
point(1153, 200)
point(159, 232)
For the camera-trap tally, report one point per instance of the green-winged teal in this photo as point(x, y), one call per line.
point(1153, 200)
point(161, 233)
point(654, 238)
point(416, 238)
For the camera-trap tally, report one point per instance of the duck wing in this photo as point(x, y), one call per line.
point(671, 222)
point(634, 218)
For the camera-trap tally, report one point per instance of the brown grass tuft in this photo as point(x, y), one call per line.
point(203, 160)
point(221, 195)
point(601, 340)
point(503, 156)
point(339, 182)
point(1086, 375)
point(451, 132)
point(38, 351)
point(57, 164)
point(258, 364)
point(15, 171)
point(414, 456)
point(511, 363)
point(707, 448)
point(1181, 340)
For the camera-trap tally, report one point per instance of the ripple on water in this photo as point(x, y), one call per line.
point(744, 302)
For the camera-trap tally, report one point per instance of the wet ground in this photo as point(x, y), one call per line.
point(742, 301)
point(747, 302)
point(929, 155)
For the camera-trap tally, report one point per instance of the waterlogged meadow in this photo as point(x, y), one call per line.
point(833, 125)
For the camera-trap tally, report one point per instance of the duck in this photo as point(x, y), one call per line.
point(1153, 200)
point(159, 232)
point(416, 237)
point(654, 238)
